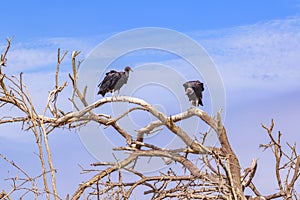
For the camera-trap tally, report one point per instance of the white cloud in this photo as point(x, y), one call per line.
point(41, 54)
point(263, 50)
point(28, 59)
point(255, 58)
point(252, 58)
point(262, 54)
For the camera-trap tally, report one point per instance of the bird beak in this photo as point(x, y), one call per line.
point(189, 91)
point(131, 70)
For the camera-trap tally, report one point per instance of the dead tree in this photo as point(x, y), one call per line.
point(208, 172)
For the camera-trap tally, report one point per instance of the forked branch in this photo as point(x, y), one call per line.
point(204, 172)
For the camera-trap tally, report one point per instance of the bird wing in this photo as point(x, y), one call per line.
point(112, 80)
point(197, 86)
point(109, 82)
point(121, 81)
point(107, 77)
point(185, 85)
point(111, 72)
point(115, 80)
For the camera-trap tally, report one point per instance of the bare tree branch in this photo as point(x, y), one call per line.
point(204, 172)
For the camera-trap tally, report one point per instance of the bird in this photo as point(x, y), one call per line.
point(113, 81)
point(194, 89)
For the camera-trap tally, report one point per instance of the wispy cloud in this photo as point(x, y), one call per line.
point(262, 52)
point(29, 59)
point(259, 59)
point(41, 54)
point(258, 54)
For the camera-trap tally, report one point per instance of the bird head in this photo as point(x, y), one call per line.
point(127, 69)
point(189, 91)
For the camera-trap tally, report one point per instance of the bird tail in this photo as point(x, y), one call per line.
point(101, 92)
point(200, 102)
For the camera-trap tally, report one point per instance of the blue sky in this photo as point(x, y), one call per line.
point(254, 44)
point(33, 19)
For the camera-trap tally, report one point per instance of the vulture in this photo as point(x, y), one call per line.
point(113, 81)
point(194, 89)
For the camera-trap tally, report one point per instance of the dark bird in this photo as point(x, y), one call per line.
point(194, 89)
point(113, 81)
